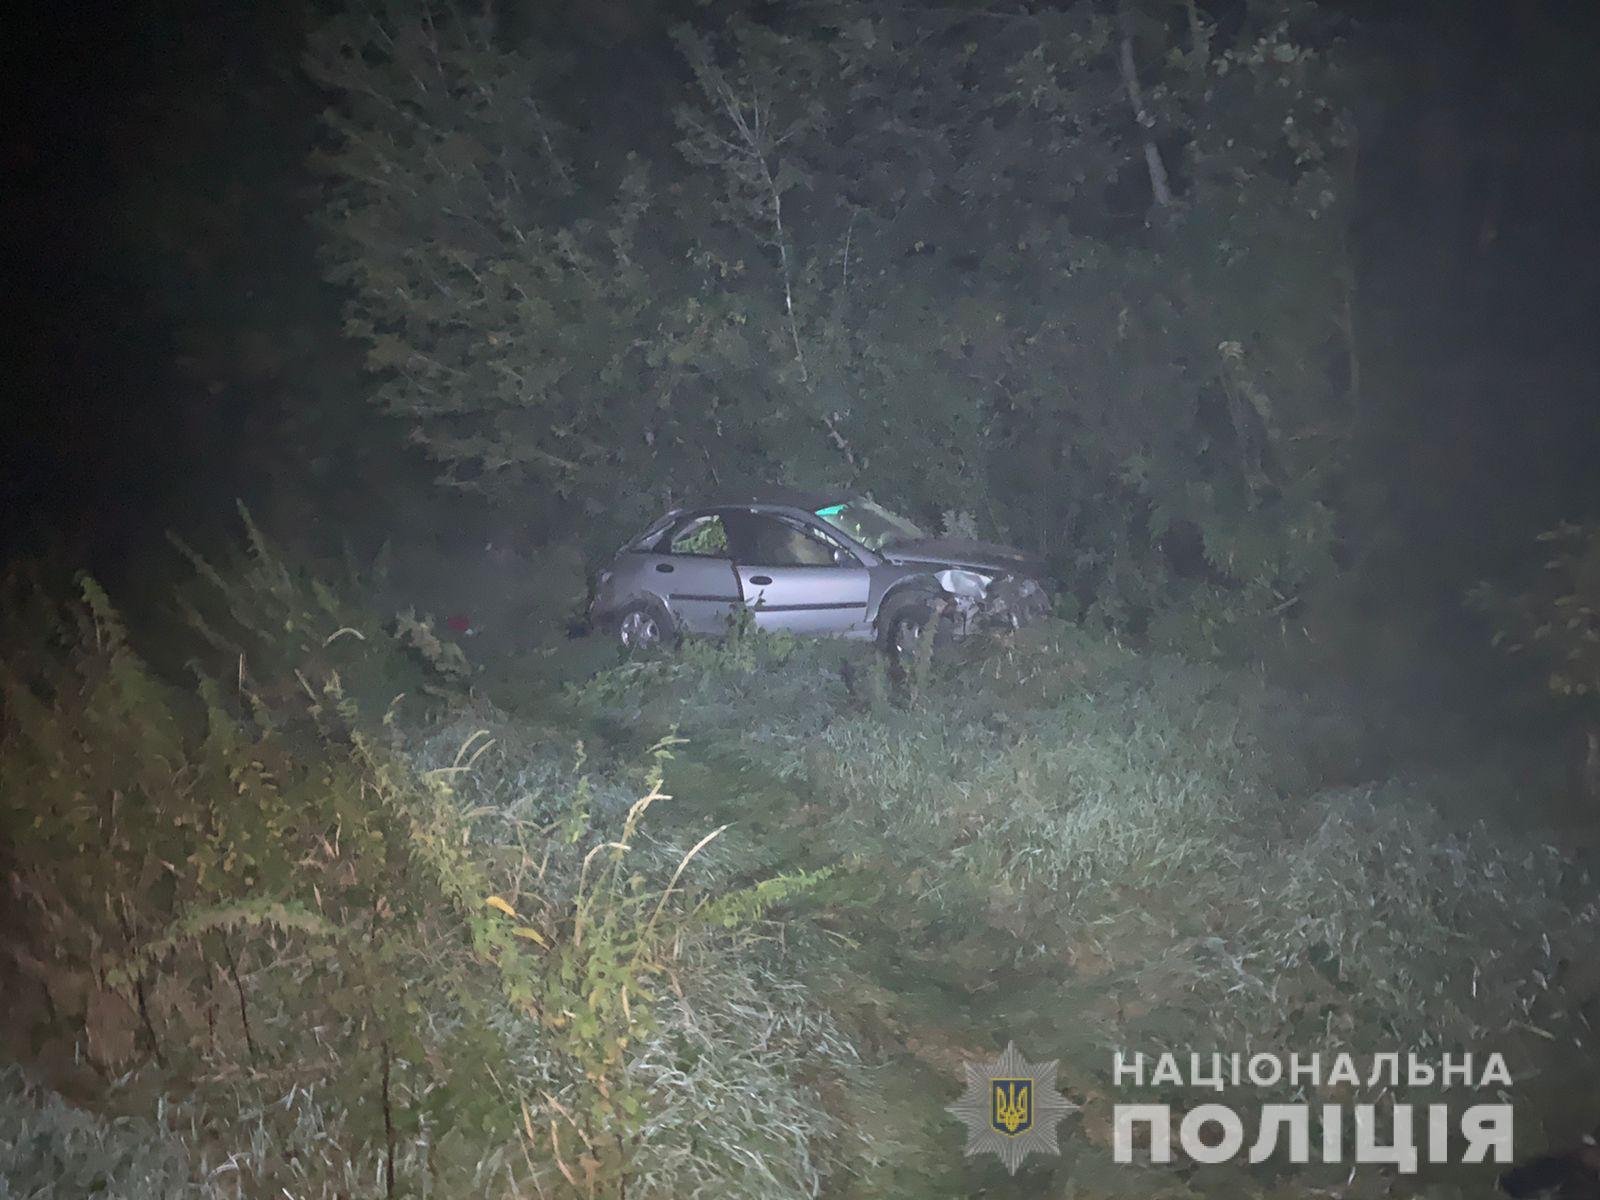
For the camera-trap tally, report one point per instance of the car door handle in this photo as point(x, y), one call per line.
point(664, 568)
point(762, 580)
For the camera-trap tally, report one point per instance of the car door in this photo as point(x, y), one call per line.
point(796, 578)
point(693, 572)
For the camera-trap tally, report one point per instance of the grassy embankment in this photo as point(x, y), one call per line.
point(1054, 840)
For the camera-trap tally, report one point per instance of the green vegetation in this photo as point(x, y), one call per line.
point(310, 913)
point(305, 935)
point(1081, 273)
point(305, 893)
point(1556, 618)
point(307, 901)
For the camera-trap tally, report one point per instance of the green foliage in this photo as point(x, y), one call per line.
point(469, 952)
point(1555, 619)
point(958, 258)
point(911, 669)
point(871, 686)
point(272, 629)
point(1208, 854)
point(233, 890)
point(50, 1149)
point(509, 336)
point(720, 670)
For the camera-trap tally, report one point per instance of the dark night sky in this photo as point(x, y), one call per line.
point(156, 193)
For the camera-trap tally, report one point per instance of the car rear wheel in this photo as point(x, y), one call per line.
point(643, 626)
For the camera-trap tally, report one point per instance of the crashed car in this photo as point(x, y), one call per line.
point(810, 564)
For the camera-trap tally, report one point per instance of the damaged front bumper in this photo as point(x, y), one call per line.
point(979, 602)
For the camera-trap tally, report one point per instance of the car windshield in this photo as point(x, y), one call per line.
point(870, 524)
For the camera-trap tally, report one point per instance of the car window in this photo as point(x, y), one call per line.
point(650, 539)
point(761, 539)
point(703, 536)
point(874, 526)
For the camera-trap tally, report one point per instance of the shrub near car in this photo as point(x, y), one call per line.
point(809, 564)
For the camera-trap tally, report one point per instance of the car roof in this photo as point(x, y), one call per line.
point(776, 497)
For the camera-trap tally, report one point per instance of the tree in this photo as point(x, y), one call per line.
point(504, 327)
point(1083, 273)
point(1077, 273)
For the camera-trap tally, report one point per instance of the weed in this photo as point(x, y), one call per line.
point(305, 930)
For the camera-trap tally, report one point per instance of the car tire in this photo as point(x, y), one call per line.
point(644, 626)
point(904, 619)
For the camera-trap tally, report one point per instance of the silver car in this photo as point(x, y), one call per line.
point(811, 564)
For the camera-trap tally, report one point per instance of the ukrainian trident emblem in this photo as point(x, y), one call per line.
point(1013, 1105)
point(1011, 1108)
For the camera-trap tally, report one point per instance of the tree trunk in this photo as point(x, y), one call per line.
point(1160, 186)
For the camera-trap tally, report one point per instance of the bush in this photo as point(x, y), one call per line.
point(361, 956)
point(1556, 617)
point(1206, 841)
point(356, 951)
point(49, 1149)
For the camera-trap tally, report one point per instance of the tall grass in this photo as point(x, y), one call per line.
point(1206, 838)
point(362, 953)
point(50, 1149)
point(342, 944)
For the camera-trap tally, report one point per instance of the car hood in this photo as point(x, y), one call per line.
point(964, 552)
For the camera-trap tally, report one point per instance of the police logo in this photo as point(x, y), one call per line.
point(1011, 1108)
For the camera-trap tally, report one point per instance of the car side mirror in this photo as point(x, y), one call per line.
point(843, 558)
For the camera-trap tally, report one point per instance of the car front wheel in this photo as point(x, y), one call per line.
point(642, 627)
point(907, 620)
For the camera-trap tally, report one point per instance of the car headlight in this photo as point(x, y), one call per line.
point(968, 585)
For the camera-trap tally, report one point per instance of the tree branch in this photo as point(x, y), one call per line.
point(1159, 183)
